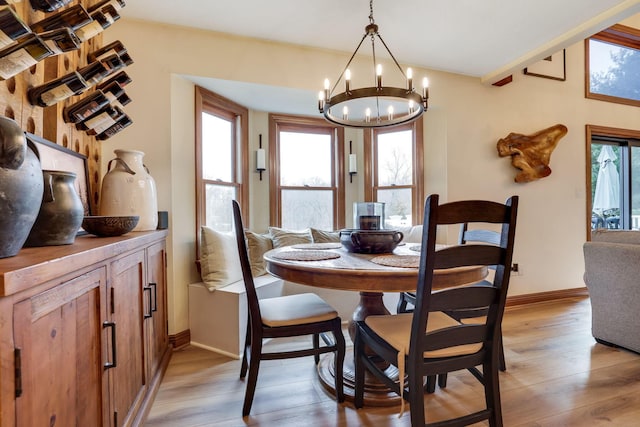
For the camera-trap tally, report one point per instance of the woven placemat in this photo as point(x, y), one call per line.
point(306, 255)
point(406, 261)
point(319, 246)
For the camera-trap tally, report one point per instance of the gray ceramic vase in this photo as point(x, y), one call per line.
point(21, 187)
point(61, 212)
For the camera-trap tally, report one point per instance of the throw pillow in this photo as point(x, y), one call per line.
point(282, 237)
point(219, 260)
point(320, 236)
point(257, 245)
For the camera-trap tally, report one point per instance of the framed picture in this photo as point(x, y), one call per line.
point(551, 67)
point(56, 157)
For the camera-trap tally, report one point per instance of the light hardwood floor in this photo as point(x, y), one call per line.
point(556, 376)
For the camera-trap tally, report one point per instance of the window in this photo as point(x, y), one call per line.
point(614, 181)
point(307, 179)
point(221, 159)
point(395, 175)
point(612, 61)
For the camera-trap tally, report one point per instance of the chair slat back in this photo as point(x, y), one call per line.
point(467, 255)
point(252, 296)
point(488, 298)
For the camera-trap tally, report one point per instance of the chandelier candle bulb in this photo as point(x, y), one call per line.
point(409, 79)
point(367, 115)
point(320, 101)
point(347, 79)
point(327, 94)
point(390, 111)
point(379, 75)
point(345, 112)
point(425, 88)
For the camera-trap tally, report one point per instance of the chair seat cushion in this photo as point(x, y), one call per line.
point(396, 330)
point(295, 309)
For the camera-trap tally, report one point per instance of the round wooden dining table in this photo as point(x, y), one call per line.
point(326, 265)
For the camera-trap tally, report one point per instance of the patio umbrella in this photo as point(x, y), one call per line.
point(607, 195)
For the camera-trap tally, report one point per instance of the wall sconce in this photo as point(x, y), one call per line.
point(353, 163)
point(260, 159)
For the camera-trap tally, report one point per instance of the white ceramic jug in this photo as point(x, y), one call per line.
point(129, 189)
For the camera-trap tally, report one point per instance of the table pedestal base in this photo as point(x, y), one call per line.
point(375, 392)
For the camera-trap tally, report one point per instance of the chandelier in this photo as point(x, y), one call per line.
point(377, 105)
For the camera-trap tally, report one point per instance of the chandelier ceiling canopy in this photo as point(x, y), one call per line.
point(376, 105)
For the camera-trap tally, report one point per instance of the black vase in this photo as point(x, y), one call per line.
point(21, 187)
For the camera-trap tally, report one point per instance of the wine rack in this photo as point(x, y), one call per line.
point(48, 122)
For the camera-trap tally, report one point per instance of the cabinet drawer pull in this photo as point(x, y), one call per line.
point(149, 314)
point(155, 296)
point(114, 362)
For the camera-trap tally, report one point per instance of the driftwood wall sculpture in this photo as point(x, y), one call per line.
point(531, 153)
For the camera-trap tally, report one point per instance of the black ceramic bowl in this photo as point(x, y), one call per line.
point(370, 241)
point(108, 226)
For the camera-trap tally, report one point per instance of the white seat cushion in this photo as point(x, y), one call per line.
point(295, 309)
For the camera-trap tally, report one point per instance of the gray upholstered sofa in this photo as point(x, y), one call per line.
point(612, 275)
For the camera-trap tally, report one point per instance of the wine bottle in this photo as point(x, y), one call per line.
point(74, 17)
point(48, 5)
point(116, 4)
point(92, 103)
point(3, 2)
point(100, 22)
point(22, 55)
point(94, 72)
point(100, 120)
point(113, 63)
point(11, 27)
point(122, 78)
point(124, 99)
point(122, 123)
point(61, 40)
point(57, 90)
point(114, 47)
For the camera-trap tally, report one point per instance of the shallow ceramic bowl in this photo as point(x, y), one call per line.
point(107, 226)
point(370, 241)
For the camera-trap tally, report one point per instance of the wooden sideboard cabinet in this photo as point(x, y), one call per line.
point(83, 331)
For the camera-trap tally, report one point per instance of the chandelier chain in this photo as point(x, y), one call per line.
point(371, 20)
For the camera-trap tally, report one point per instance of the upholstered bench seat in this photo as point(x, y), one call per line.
point(218, 319)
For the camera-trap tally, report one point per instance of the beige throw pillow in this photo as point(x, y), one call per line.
point(320, 236)
point(219, 260)
point(282, 237)
point(257, 245)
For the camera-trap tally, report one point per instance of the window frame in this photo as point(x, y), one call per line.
point(370, 166)
point(292, 123)
point(212, 103)
point(620, 35)
point(594, 131)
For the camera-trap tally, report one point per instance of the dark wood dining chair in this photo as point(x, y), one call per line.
point(428, 342)
point(407, 300)
point(286, 316)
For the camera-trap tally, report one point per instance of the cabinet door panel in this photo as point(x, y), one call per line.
point(129, 376)
point(59, 337)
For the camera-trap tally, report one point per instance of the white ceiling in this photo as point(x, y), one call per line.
point(488, 39)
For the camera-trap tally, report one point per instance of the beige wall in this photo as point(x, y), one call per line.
point(462, 126)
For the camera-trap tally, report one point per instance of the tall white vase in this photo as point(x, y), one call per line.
point(129, 189)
